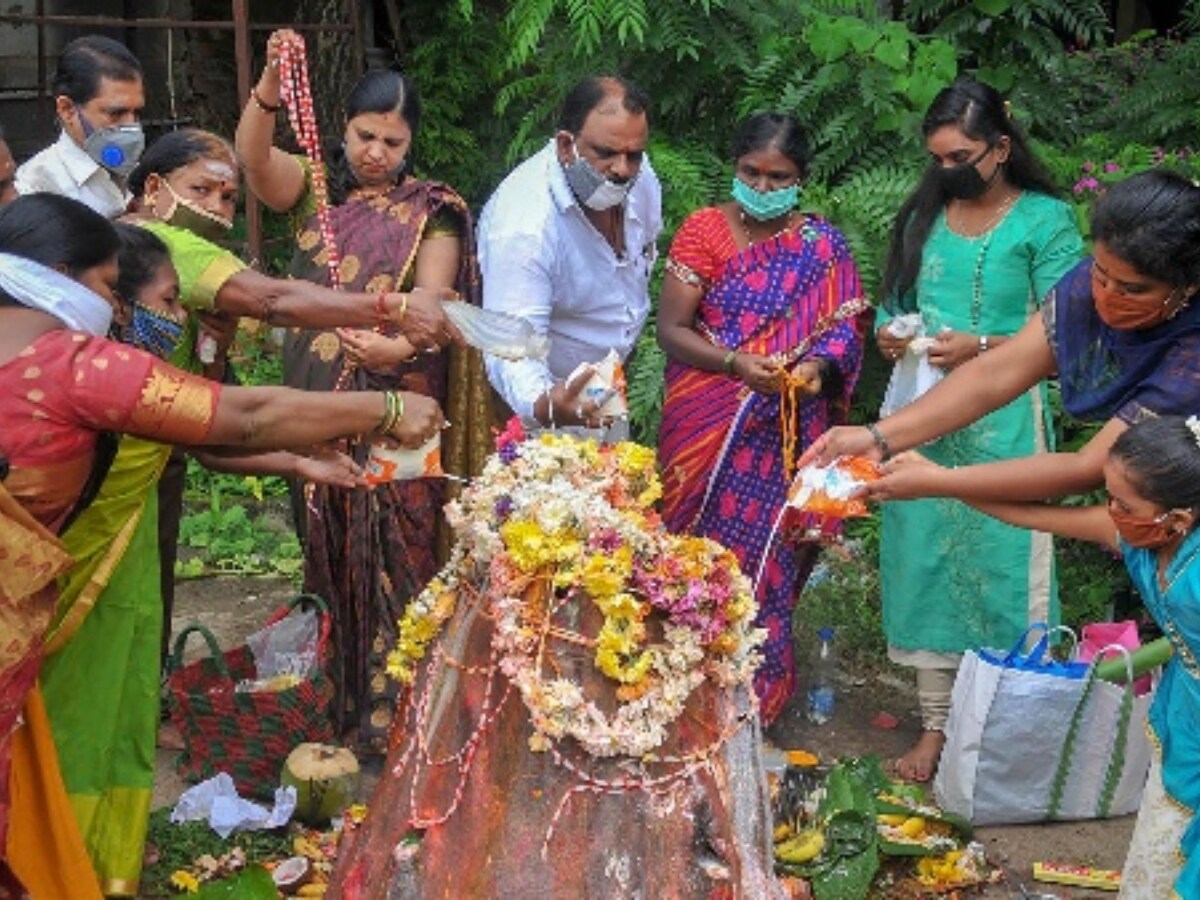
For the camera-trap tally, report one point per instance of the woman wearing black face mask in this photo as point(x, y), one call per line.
point(1122, 332)
point(974, 249)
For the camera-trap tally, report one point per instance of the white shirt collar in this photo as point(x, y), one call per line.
point(564, 197)
point(76, 161)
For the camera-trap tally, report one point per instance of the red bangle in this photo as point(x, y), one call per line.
point(381, 316)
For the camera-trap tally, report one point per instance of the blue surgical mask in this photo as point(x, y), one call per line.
point(764, 205)
point(153, 331)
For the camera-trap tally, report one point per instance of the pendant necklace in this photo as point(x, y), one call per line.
point(787, 224)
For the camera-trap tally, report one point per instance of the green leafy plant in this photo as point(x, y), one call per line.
point(235, 524)
point(237, 537)
point(179, 845)
point(1002, 39)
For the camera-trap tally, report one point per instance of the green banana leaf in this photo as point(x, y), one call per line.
point(252, 883)
point(847, 865)
point(961, 828)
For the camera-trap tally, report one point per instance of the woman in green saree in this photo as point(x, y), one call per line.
point(100, 678)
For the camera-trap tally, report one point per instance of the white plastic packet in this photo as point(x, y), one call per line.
point(913, 374)
point(217, 801)
point(288, 647)
point(497, 333)
point(391, 463)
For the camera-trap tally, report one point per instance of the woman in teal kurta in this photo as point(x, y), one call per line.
point(976, 247)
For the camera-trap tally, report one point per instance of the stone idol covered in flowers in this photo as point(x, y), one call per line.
point(579, 710)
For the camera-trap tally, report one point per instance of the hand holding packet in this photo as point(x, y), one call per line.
point(393, 463)
point(831, 490)
point(497, 333)
point(605, 387)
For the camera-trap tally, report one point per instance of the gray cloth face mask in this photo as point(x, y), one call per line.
point(591, 188)
point(117, 148)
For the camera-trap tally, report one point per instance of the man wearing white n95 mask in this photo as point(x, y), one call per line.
point(567, 241)
point(98, 98)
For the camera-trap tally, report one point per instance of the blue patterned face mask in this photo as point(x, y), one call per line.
point(153, 331)
point(764, 205)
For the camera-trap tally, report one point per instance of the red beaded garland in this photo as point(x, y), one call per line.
point(296, 93)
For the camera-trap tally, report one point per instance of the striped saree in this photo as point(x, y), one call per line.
point(795, 297)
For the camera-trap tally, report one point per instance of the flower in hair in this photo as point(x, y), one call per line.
point(1193, 424)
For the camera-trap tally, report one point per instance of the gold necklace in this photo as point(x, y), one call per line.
point(992, 221)
point(746, 226)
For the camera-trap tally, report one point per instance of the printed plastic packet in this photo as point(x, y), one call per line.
point(391, 463)
point(606, 386)
point(828, 491)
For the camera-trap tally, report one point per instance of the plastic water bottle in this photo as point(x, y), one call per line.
point(820, 689)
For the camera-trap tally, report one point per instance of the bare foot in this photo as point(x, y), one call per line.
point(169, 737)
point(921, 761)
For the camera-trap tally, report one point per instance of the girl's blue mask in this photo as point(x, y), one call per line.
point(153, 331)
point(764, 205)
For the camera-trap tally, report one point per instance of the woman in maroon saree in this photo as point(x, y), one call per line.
point(754, 287)
point(368, 553)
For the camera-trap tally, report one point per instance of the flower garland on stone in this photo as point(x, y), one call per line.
point(553, 523)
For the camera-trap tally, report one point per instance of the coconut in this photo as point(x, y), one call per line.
point(325, 778)
point(292, 874)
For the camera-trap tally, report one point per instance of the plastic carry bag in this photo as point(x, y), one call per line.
point(1030, 739)
point(912, 374)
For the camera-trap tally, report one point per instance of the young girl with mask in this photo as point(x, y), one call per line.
point(973, 251)
point(1118, 329)
point(67, 390)
point(100, 678)
point(1152, 473)
point(755, 289)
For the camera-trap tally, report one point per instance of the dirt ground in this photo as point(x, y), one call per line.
point(233, 607)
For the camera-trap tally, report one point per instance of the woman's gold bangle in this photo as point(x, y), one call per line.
point(393, 412)
point(727, 362)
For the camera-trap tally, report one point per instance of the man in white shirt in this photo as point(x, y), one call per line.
point(567, 241)
point(98, 98)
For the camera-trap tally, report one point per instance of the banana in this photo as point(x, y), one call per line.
point(312, 890)
point(804, 847)
point(913, 827)
point(782, 832)
point(303, 846)
point(892, 819)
